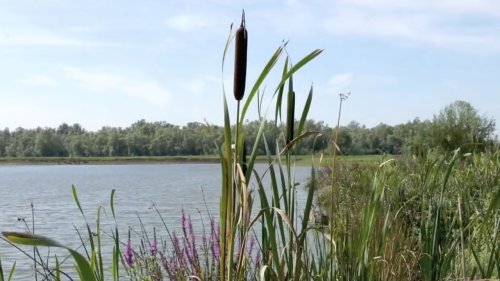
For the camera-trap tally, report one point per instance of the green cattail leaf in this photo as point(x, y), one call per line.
point(299, 65)
point(75, 197)
point(308, 206)
point(30, 239)
point(58, 269)
point(298, 138)
point(267, 69)
point(226, 47)
point(1, 270)
point(269, 219)
point(253, 155)
point(83, 266)
point(99, 249)
point(112, 203)
point(305, 112)
point(11, 272)
point(280, 94)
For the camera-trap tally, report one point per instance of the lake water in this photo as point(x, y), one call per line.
point(171, 187)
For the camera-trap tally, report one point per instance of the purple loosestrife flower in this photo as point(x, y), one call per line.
point(215, 243)
point(183, 221)
point(129, 252)
point(252, 245)
point(204, 240)
point(153, 247)
point(193, 239)
point(178, 253)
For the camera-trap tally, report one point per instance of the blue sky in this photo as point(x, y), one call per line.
point(100, 63)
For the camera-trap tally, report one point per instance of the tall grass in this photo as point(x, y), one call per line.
point(433, 218)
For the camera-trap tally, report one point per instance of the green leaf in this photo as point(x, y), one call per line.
point(495, 202)
point(75, 196)
point(308, 206)
point(112, 203)
point(30, 239)
point(11, 272)
point(299, 65)
point(280, 94)
point(305, 112)
point(83, 267)
point(267, 69)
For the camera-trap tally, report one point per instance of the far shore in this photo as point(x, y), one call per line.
point(106, 160)
point(302, 160)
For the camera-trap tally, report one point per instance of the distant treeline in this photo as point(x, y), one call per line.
point(457, 125)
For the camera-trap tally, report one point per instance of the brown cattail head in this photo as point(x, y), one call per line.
point(240, 60)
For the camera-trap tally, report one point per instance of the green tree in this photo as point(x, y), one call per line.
point(4, 141)
point(48, 144)
point(459, 125)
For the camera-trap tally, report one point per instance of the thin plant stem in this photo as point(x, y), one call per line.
point(33, 230)
point(335, 147)
point(462, 241)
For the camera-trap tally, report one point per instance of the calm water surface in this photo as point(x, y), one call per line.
point(170, 187)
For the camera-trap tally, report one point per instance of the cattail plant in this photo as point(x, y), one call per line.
point(238, 169)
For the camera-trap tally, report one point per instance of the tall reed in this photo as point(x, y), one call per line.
point(415, 219)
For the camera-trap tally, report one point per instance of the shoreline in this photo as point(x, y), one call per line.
point(124, 160)
point(107, 160)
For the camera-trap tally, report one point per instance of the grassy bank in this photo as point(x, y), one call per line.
point(301, 160)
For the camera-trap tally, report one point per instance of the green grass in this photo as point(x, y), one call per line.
point(301, 160)
point(432, 218)
point(326, 160)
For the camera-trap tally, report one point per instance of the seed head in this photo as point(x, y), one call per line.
point(240, 60)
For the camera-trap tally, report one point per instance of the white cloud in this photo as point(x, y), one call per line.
point(41, 80)
point(470, 26)
point(186, 22)
point(96, 81)
point(148, 91)
point(195, 86)
point(32, 36)
point(201, 85)
point(341, 82)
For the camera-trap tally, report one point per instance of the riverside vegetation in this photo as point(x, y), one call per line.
point(429, 215)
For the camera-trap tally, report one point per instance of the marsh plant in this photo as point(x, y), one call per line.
point(432, 217)
point(283, 231)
